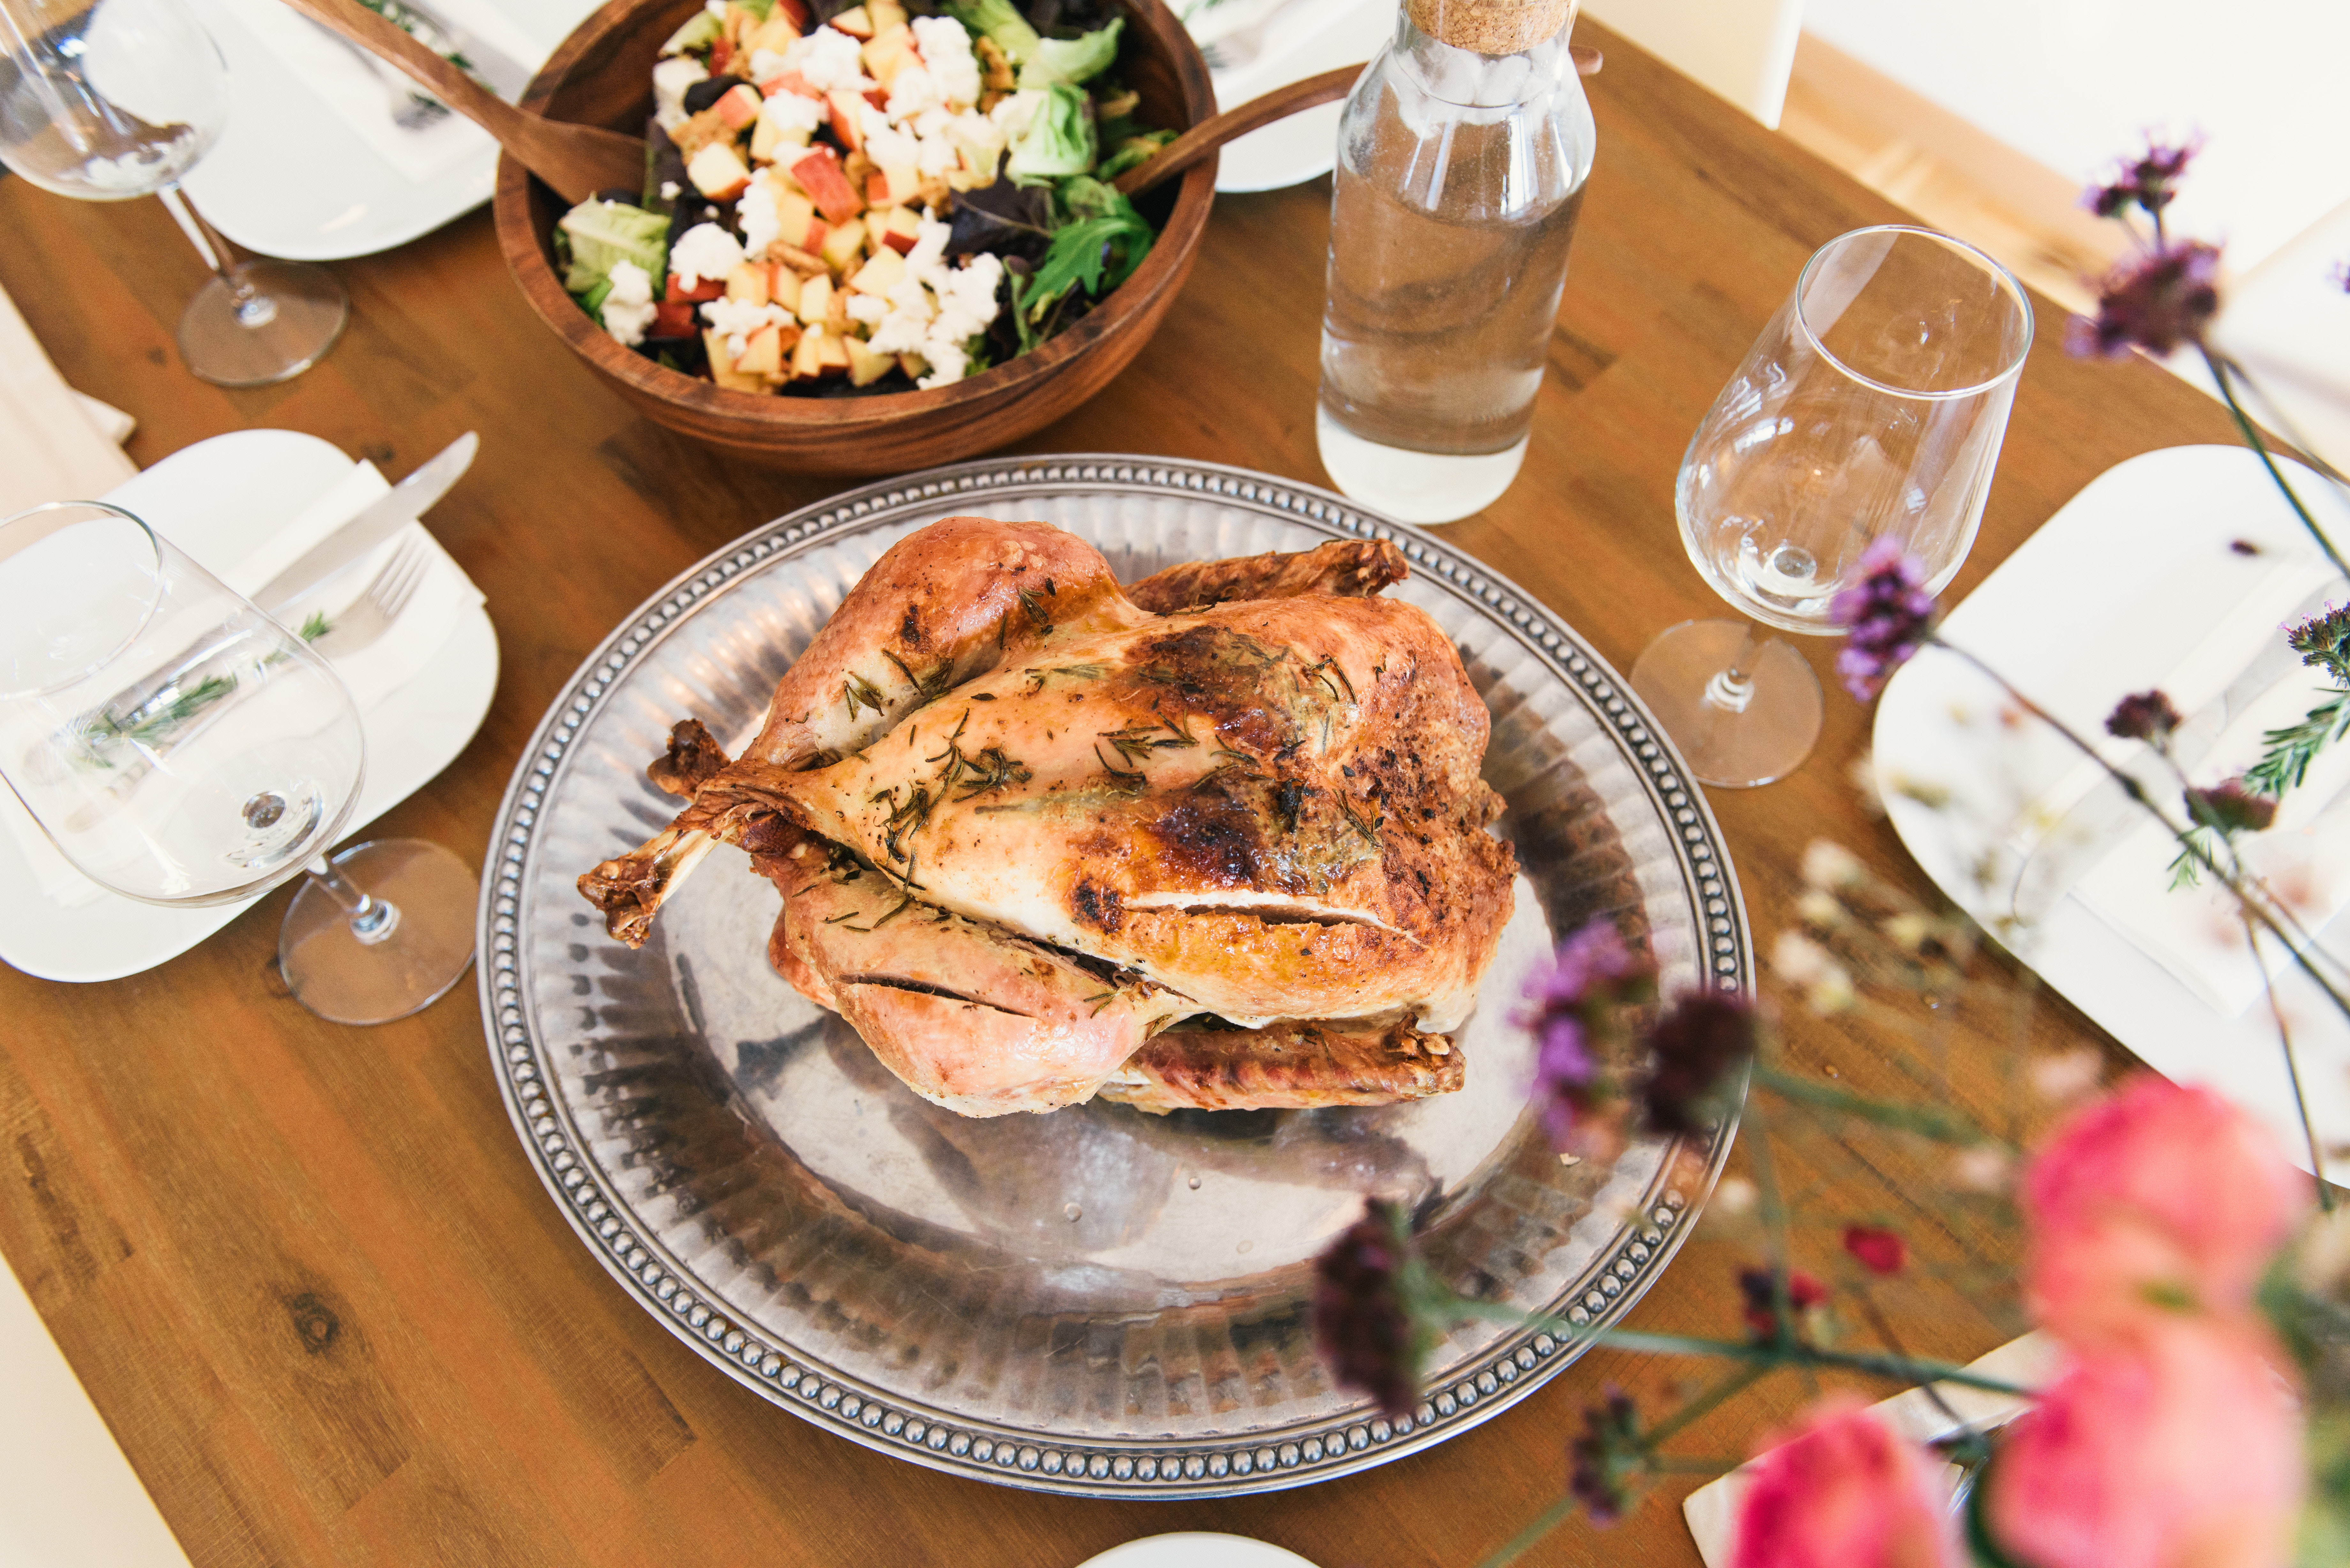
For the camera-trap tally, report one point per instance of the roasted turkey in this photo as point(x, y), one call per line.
point(1217, 839)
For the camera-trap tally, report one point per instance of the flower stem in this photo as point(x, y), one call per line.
point(2292, 1067)
point(1943, 1127)
point(1550, 1519)
point(1705, 1404)
point(2245, 426)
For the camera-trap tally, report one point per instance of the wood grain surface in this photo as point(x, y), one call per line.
point(305, 1271)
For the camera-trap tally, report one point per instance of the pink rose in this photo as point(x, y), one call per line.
point(1842, 1491)
point(2159, 1194)
point(2179, 1449)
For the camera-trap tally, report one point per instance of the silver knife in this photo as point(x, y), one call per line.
point(387, 516)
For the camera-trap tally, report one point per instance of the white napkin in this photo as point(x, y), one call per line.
point(1712, 1510)
point(357, 95)
point(2207, 635)
point(371, 673)
point(54, 446)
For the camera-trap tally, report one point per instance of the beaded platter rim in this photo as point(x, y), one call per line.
point(1301, 1454)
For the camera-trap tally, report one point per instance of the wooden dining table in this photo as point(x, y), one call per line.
point(308, 1275)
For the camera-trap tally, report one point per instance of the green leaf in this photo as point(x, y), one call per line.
point(600, 232)
point(999, 20)
point(2284, 764)
point(1133, 152)
point(1097, 250)
point(1059, 140)
point(1072, 61)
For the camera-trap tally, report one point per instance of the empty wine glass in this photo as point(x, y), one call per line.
point(117, 99)
point(1872, 405)
point(180, 747)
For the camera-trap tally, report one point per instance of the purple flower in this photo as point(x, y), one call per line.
point(1606, 1455)
point(1697, 1044)
point(2149, 181)
point(1887, 616)
point(2324, 640)
point(1808, 1300)
point(2162, 299)
point(1575, 1006)
point(2147, 716)
point(2230, 807)
point(1362, 1322)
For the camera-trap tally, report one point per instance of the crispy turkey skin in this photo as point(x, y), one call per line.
point(1025, 821)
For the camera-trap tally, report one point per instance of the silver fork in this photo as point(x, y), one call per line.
point(412, 108)
point(379, 603)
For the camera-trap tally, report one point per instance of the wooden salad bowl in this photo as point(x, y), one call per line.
point(602, 76)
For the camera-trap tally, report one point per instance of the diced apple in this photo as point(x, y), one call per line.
point(719, 173)
point(796, 10)
point(835, 314)
point(762, 355)
point(784, 286)
point(914, 364)
point(888, 52)
point(816, 299)
point(722, 55)
point(774, 35)
point(843, 246)
point(748, 284)
point(847, 123)
point(794, 213)
point(866, 367)
point(721, 365)
point(738, 106)
point(791, 82)
point(831, 351)
point(881, 274)
point(673, 319)
point(885, 15)
point(706, 288)
point(807, 355)
point(900, 228)
point(818, 172)
point(857, 22)
point(892, 185)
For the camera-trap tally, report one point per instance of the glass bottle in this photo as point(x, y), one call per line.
point(1462, 153)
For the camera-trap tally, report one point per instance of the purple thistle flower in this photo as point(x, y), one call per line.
point(1606, 1454)
point(2231, 808)
point(1573, 1001)
point(2162, 299)
point(1888, 617)
point(2149, 181)
point(2147, 716)
point(1362, 1324)
point(1697, 1044)
point(2324, 640)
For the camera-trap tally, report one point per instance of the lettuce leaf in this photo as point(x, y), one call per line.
point(1071, 60)
point(1059, 140)
point(600, 232)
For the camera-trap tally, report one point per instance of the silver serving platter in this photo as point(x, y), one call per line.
point(1097, 1301)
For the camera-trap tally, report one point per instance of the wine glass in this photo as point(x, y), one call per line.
point(116, 99)
point(180, 747)
point(1872, 405)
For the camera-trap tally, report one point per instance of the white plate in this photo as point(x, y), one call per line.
point(216, 500)
point(1196, 1549)
point(2116, 542)
point(1301, 38)
point(289, 178)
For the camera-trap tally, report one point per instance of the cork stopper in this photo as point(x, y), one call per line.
point(1492, 26)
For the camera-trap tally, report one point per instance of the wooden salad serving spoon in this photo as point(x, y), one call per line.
point(578, 161)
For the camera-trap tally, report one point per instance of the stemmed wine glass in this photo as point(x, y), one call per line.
point(119, 98)
point(180, 747)
point(1872, 405)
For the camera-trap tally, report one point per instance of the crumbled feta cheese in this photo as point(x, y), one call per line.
point(766, 65)
point(826, 58)
point(669, 188)
point(936, 155)
point(704, 250)
point(911, 91)
point(948, 364)
point(629, 308)
point(927, 260)
point(945, 49)
point(796, 118)
point(738, 318)
point(967, 305)
point(1015, 112)
point(865, 309)
point(908, 296)
point(715, 7)
point(672, 77)
point(932, 122)
point(756, 210)
point(887, 145)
